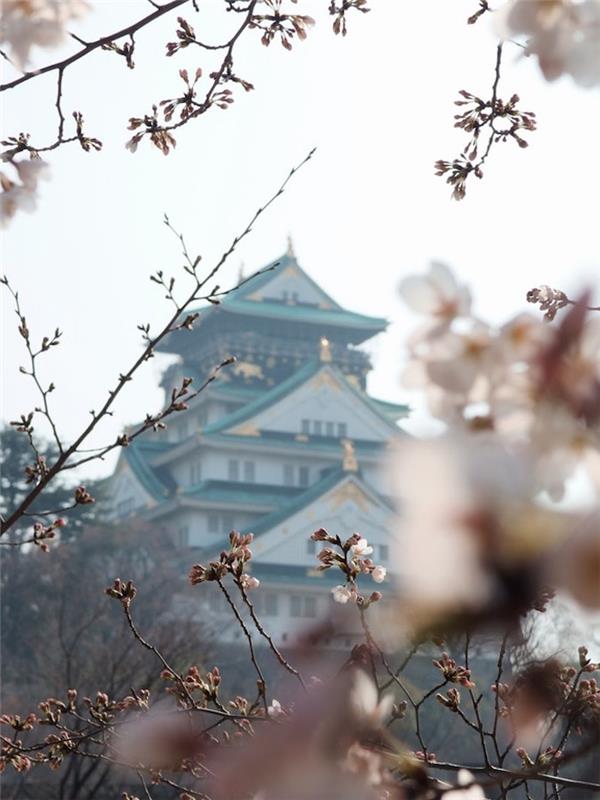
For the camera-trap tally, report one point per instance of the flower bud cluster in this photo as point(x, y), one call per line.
point(43, 532)
point(233, 561)
point(352, 558)
point(123, 591)
point(452, 672)
point(451, 699)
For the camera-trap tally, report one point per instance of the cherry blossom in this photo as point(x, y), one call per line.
point(19, 192)
point(437, 294)
point(40, 23)
point(341, 594)
point(563, 34)
point(468, 788)
point(370, 711)
point(362, 548)
point(379, 574)
point(249, 581)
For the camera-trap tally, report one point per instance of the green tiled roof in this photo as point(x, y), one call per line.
point(285, 441)
point(327, 482)
point(157, 482)
point(392, 410)
point(238, 302)
point(304, 314)
point(214, 491)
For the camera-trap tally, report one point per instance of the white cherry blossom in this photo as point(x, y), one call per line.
point(42, 23)
point(19, 189)
point(362, 548)
point(437, 294)
point(249, 581)
point(364, 701)
point(564, 35)
point(467, 789)
point(341, 594)
point(379, 574)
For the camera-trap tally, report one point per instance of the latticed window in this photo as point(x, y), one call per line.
point(249, 471)
point(233, 469)
point(303, 476)
point(288, 475)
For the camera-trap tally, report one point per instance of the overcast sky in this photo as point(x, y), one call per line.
point(367, 211)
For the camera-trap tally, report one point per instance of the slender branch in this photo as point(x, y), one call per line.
point(95, 45)
point(171, 325)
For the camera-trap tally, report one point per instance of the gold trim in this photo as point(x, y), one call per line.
point(246, 429)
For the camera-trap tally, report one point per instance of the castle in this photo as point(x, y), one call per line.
point(285, 441)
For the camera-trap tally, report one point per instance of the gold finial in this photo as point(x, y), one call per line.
point(349, 462)
point(325, 350)
point(290, 247)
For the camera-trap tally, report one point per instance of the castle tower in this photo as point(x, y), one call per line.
point(285, 441)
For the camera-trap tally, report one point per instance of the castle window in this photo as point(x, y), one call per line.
point(384, 552)
point(305, 426)
point(329, 429)
point(249, 471)
point(317, 427)
point(183, 536)
point(303, 605)
point(310, 606)
point(288, 475)
point(233, 469)
point(311, 547)
point(227, 523)
point(303, 476)
point(296, 605)
point(267, 604)
point(213, 522)
point(271, 604)
point(195, 473)
point(342, 430)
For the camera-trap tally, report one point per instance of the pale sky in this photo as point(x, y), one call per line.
point(366, 212)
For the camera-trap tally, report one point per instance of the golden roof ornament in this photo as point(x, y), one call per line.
point(349, 461)
point(325, 354)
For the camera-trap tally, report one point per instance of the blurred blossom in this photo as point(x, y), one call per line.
point(314, 751)
point(471, 539)
point(467, 789)
point(533, 385)
point(437, 295)
point(159, 739)
point(369, 711)
point(564, 35)
point(576, 566)
point(19, 190)
point(42, 23)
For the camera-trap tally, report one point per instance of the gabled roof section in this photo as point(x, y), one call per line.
point(267, 399)
point(231, 422)
point(286, 293)
point(286, 274)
